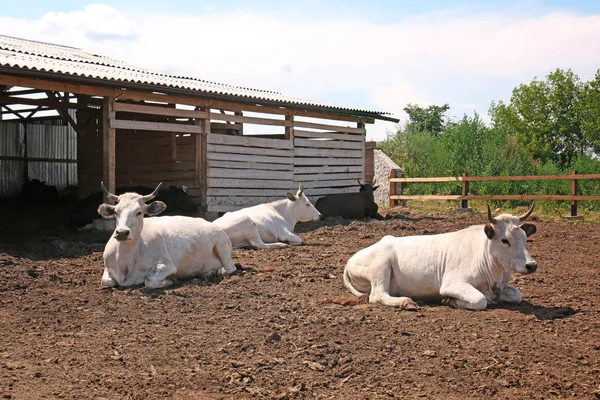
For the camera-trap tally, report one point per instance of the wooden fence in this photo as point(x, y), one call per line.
point(396, 188)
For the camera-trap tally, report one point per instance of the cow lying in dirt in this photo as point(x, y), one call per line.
point(465, 269)
point(153, 251)
point(350, 205)
point(269, 225)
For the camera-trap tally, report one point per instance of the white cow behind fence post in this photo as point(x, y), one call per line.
point(465, 269)
point(153, 251)
point(269, 225)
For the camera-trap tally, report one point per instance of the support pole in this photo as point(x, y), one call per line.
point(109, 146)
point(465, 191)
point(574, 193)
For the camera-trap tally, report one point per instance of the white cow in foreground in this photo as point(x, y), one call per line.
point(153, 251)
point(465, 269)
point(267, 226)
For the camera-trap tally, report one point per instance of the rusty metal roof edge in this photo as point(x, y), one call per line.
point(196, 93)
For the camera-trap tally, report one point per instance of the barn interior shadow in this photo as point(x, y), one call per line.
point(541, 313)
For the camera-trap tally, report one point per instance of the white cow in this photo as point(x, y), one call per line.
point(153, 251)
point(465, 269)
point(269, 225)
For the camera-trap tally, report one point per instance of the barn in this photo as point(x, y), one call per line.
point(71, 117)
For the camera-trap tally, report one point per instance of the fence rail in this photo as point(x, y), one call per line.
point(396, 188)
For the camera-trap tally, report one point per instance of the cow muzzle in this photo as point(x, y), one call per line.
point(122, 234)
point(531, 267)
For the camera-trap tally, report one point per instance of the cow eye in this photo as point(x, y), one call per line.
point(505, 241)
point(139, 213)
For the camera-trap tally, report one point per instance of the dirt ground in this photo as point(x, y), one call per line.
point(269, 334)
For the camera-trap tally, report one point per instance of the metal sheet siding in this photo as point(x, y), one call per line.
point(32, 55)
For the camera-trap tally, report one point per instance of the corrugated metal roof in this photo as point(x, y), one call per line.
point(46, 57)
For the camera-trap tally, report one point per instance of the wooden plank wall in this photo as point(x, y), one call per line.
point(243, 171)
point(328, 162)
point(142, 157)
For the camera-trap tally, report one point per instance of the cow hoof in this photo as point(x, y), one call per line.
point(410, 305)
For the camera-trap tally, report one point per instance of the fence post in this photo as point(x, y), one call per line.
point(574, 193)
point(465, 191)
point(392, 188)
point(395, 187)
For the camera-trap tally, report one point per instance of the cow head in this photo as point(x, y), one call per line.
point(129, 212)
point(303, 209)
point(507, 235)
point(366, 187)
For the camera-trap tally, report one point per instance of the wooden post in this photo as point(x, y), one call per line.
point(25, 156)
point(361, 125)
point(465, 191)
point(395, 187)
point(109, 142)
point(289, 130)
point(241, 124)
point(574, 193)
point(201, 163)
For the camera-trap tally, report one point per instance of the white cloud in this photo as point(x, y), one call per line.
point(464, 60)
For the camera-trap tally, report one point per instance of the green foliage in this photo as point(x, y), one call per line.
point(555, 119)
point(545, 130)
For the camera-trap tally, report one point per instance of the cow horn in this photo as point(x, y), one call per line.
point(527, 214)
point(152, 195)
point(108, 194)
point(359, 184)
point(492, 219)
point(300, 189)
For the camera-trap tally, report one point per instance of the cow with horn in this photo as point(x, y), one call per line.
point(154, 251)
point(467, 269)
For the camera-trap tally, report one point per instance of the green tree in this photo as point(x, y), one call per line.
point(589, 110)
point(545, 116)
point(431, 119)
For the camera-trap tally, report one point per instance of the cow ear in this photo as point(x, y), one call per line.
point(529, 229)
point(375, 187)
point(290, 196)
point(155, 208)
point(107, 211)
point(489, 231)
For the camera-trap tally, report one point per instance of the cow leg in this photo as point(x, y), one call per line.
point(157, 278)
point(463, 295)
point(511, 294)
point(256, 242)
point(291, 238)
point(223, 249)
point(380, 292)
point(107, 281)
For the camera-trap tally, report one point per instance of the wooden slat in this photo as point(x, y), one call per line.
point(249, 165)
point(327, 144)
point(313, 125)
point(302, 152)
point(250, 158)
point(250, 141)
point(259, 175)
point(160, 110)
point(248, 183)
point(159, 176)
point(280, 193)
point(497, 178)
point(326, 191)
point(310, 161)
point(328, 135)
point(244, 201)
point(249, 150)
point(329, 184)
point(327, 170)
point(38, 159)
point(249, 120)
point(321, 177)
point(494, 197)
point(154, 126)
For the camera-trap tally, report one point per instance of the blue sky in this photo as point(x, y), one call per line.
point(378, 55)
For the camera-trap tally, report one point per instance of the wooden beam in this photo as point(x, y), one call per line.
point(160, 110)
point(39, 102)
point(241, 126)
point(63, 112)
point(122, 94)
point(154, 126)
point(289, 129)
point(109, 142)
point(13, 111)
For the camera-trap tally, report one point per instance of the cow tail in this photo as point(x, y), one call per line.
point(348, 284)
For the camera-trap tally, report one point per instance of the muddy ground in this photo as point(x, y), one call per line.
point(269, 335)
